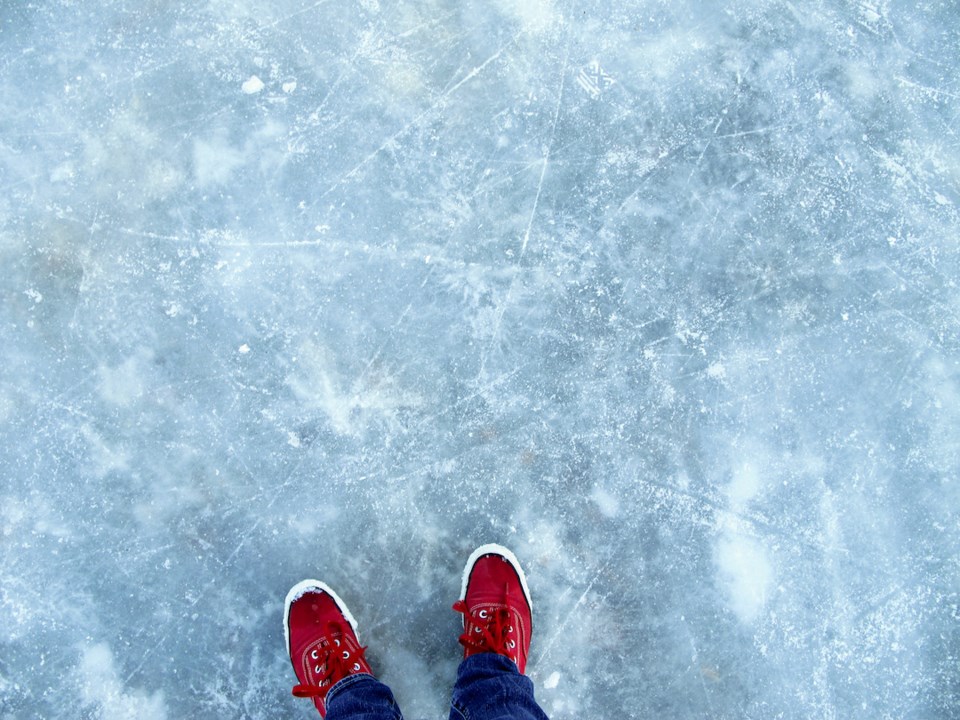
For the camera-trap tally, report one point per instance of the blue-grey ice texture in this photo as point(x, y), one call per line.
point(662, 295)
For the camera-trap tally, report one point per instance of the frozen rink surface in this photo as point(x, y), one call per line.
point(661, 295)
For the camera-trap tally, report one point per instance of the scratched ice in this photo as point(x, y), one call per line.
point(661, 295)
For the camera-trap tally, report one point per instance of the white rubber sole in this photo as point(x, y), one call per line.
point(302, 588)
point(494, 549)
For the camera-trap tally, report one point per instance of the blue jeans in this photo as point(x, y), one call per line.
point(488, 687)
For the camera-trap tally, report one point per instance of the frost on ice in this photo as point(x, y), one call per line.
point(662, 298)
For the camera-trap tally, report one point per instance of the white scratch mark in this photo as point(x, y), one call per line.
point(296, 14)
point(413, 123)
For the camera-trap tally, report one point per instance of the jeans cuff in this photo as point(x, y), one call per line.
point(346, 682)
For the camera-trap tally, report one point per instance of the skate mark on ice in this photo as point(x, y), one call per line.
point(390, 141)
point(547, 151)
point(566, 620)
point(291, 16)
point(545, 162)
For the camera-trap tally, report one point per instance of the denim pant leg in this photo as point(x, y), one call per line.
point(489, 687)
point(361, 697)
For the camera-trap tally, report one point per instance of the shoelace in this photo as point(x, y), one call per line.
point(331, 663)
point(493, 631)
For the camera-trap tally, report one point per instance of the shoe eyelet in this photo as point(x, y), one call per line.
point(477, 629)
point(483, 614)
point(317, 669)
point(314, 655)
point(346, 655)
point(356, 667)
point(511, 644)
point(509, 628)
point(336, 642)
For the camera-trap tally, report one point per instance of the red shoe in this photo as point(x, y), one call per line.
point(496, 606)
point(321, 639)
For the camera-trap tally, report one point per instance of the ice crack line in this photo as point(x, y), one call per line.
point(546, 154)
point(566, 620)
point(413, 123)
point(296, 14)
point(536, 200)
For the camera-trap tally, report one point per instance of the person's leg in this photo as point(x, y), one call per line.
point(497, 622)
point(328, 659)
point(490, 687)
point(361, 697)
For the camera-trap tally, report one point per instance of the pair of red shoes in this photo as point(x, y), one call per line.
point(322, 634)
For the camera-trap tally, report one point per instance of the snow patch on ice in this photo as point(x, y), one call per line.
point(871, 13)
point(746, 573)
point(534, 16)
point(551, 682)
point(862, 80)
point(540, 543)
point(717, 371)
point(102, 689)
point(605, 501)
point(744, 485)
point(214, 161)
point(63, 172)
point(663, 54)
point(252, 86)
point(12, 513)
point(744, 568)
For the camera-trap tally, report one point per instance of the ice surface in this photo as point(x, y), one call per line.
point(661, 295)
